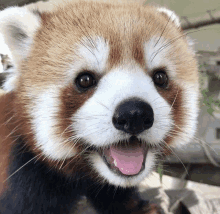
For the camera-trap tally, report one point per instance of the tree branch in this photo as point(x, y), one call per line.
point(199, 24)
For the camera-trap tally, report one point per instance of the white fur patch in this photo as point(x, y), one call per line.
point(95, 52)
point(11, 81)
point(157, 55)
point(171, 15)
point(191, 45)
point(44, 124)
point(92, 54)
point(191, 104)
point(17, 26)
point(15, 22)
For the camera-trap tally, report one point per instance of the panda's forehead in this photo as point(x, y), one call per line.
point(105, 41)
point(100, 55)
point(109, 37)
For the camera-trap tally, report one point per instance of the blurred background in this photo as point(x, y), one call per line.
point(197, 166)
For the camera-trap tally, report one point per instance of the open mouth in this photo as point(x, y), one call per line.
point(126, 158)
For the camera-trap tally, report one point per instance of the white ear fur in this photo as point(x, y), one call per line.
point(175, 19)
point(171, 15)
point(18, 26)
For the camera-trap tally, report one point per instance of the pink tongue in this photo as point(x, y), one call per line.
point(128, 161)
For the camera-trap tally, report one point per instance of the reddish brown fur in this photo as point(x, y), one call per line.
point(138, 51)
point(5, 140)
point(71, 101)
point(173, 95)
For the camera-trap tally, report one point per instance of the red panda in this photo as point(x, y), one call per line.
point(97, 93)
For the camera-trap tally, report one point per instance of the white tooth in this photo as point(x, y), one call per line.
point(115, 162)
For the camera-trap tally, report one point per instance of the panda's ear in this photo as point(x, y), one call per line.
point(170, 15)
point(18, 26)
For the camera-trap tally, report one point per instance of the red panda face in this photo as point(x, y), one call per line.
point(109, 86)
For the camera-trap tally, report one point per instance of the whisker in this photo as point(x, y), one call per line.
point(169, 43)
point(174, 100)
point(89, 117)
point(197, 140)
point(102, 105)
point(61, 135)
point(11, 133)
point(167, 146)
point(86, 147)
point(21, 168)
point(69, 152)
point(163, 30)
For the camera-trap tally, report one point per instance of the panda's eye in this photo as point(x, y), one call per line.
point(85, 80)
point(160, 78)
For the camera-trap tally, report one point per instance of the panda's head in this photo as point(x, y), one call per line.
point(101, 86)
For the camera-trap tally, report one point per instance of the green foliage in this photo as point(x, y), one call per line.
point(212, 104)
point(160, 171)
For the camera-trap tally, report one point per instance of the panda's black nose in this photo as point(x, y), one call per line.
point(133, 116)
